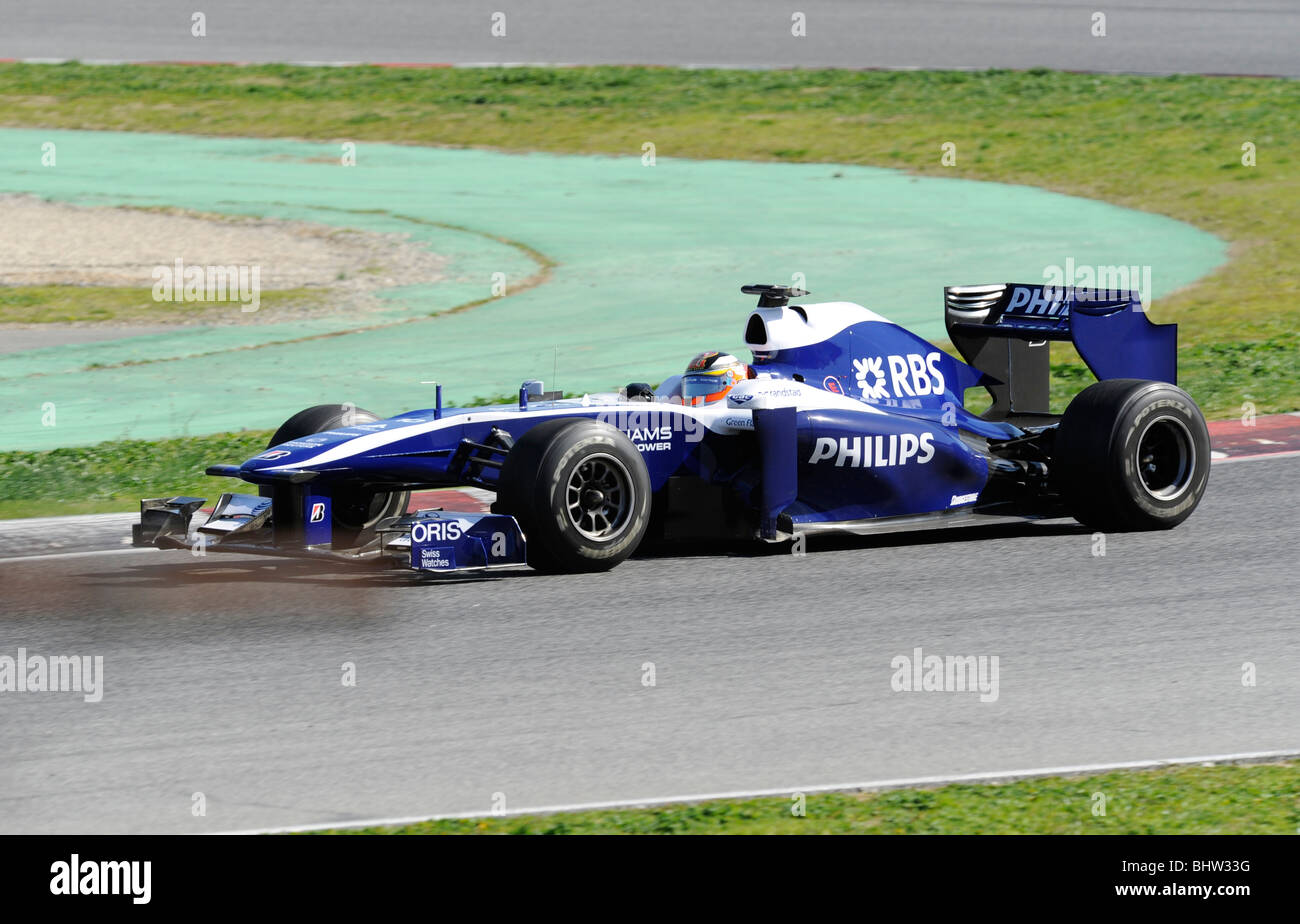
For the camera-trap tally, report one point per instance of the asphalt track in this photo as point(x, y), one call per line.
point(1147, 36)
point(223, 675)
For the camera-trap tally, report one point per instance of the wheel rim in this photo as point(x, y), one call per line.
point(1165, 458)
point(598, 497)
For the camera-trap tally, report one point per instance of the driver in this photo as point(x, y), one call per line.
point(709, 377)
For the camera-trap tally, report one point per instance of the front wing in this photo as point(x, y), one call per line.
point(427, 540)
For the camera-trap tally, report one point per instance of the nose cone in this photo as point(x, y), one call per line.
point(412, 447)
point(303, 449)
point(273, 458)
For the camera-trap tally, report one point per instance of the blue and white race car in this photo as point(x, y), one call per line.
point(844, 421)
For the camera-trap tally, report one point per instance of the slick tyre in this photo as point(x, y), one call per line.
point(1132, 455)
point(581, 493)
point(353, 510)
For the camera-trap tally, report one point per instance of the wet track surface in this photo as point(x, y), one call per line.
point(223, 675)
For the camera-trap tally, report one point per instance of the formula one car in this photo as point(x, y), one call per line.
point(843, 422)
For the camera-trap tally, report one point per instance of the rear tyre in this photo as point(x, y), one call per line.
point(581, 494)
point(353, 510)
point(1132, 454)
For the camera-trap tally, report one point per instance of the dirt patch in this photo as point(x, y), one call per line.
point(53, 243)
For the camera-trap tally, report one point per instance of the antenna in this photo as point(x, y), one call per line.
point(437, 407)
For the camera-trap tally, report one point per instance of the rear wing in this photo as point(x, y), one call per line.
point(1003, 330)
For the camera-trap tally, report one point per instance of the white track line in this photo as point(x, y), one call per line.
point(76, 519)
point(55, 555)
point(1259, 456)
point(420, 65)
point(906, 783)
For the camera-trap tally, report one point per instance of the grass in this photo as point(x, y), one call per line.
point(1255, 799)
point(113, 476)
point(71, 303)
point(1165, 144)
point(1221, 375)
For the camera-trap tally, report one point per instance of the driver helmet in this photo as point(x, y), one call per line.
point(710, 375)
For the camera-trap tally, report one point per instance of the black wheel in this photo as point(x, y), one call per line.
point(581, 493)
point(1132, 454)
point(353, 510)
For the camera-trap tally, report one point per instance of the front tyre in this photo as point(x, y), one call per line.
point(356, 509)
point(581, 494)
point(1132, 455)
